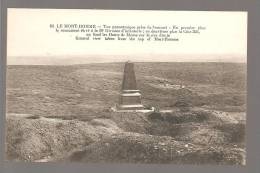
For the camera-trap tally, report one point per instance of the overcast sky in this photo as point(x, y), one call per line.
point(31, 41)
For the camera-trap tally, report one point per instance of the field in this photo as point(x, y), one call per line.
point(63, 113)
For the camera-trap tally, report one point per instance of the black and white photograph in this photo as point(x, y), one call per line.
point(126, 86)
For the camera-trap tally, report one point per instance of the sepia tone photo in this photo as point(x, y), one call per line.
point(115, 86)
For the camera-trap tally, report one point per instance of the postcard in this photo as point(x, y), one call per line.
point(126, 86)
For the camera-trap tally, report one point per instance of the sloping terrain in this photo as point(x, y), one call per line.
point(34, 139)
point(140, 148)
point(131, 137)
point(63, 113)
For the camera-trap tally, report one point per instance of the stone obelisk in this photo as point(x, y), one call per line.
point(130, 97)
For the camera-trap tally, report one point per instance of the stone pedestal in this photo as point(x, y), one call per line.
point(130, 100)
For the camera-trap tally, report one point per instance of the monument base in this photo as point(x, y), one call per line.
point(132, 108)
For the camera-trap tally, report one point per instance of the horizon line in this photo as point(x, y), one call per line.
point(235, 62)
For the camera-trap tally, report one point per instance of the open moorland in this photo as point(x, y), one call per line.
point(63, 113)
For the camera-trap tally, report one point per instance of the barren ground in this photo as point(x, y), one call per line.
point(62, 113)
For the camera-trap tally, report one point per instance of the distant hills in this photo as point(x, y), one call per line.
point(86, 59)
